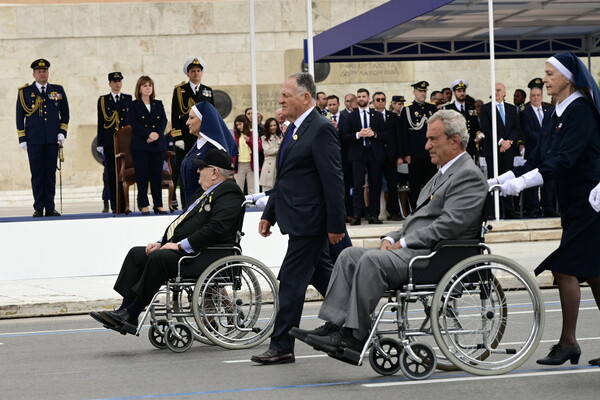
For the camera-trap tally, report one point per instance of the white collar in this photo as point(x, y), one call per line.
point(457, 104)
point(445, 167)
point(203, 139)
point(39, 86)
point(561, 107)
point(502, 102)
point(301, 118)
point(201, 142)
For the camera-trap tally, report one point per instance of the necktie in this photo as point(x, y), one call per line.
point(43, 91)
point(334, 118)
point(367, 141)
point(288, 136)
point(196, 89)
point(171, 228)
point(462, 108)
point(117, 98)
point(501, 111)
point(383, 113)
point(540, 115)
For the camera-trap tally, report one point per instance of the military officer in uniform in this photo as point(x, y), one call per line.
point(413, 129)
point(185, 95)
point(42, 123)
point(113, 110)
point(459, 87)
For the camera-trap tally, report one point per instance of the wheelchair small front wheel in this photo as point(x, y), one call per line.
point(418, 369)
point(388, 362)
point(179, 338)
point(156, 333)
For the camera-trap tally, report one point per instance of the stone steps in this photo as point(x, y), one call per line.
point(503, 231)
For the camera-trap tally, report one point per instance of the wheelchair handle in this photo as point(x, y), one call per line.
point(495, 187)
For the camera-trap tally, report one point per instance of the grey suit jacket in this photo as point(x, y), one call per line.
point(453, 212)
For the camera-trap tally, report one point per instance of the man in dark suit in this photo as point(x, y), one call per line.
point(413, 128)
point(338, 119)
point(459, 87)
point(185, 95)
point(210, 218)
point(533, 119)
point(450, 207)
point(508, 130)
point(391, 144)
point(42, 123)
point(308, 204)
point(364, 131)
point(113, 112)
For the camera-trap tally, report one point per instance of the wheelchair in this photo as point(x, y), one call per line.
point(483, 313)
point(219, 297)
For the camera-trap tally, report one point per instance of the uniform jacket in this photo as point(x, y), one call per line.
point(308, 196)
point(413, 128)
point(40, 120)
point(112, 116)
point(392, 142)
point(473, 127)
point(143, 123)
point(183, 100)
point(353, 124)
point(213, 220)
point(507, 131)
point(531, 128)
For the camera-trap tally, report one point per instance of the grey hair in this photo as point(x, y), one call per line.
point(225, 173)
point(305, 83)
point(454, 124)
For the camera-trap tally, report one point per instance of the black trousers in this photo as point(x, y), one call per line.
point(420, 171)
point(42, 164)
point(148, 167)
point(306, 261)
point(391, 177)
point(374, 170)
point(348, 183)
point(141, 275)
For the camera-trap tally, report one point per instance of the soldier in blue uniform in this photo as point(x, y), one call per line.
point(113, 110)
point(413, 129)
point(42, 123)
point(459, 87)
point(185, 95)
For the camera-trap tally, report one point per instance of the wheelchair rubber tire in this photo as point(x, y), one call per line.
point(180, 307)
point(416, 370)
point(182, 344)
point(156, 333)
point(477, 284)
point(381, 364)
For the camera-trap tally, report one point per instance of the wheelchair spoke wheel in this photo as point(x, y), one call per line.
point(235, 302)
point(182, 306)
point(482, 303)
point(179, 338)
point(156, 333)
point(421, 368)
point(388, 362)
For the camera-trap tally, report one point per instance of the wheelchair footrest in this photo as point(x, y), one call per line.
point(347, 355)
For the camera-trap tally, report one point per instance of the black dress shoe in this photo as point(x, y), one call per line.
point(355, 221)
point(395, 217)
point(52, 213)
point(105, 208)
point(335, 342)
point(145, 212)
point(38, 213)
point(559, 355)
point(159, 211)
point(551, 214)
point(535, 213)
point(324, 330)
point(272, 357)
point(375, 221)
point(595, 361)
point(121, 321)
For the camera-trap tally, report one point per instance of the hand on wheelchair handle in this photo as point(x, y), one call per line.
point(262, 202)
point(512, 187)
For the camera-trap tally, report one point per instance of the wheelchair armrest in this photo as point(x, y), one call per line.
point(456, 243)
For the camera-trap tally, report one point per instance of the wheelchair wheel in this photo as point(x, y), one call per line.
point(182, 306)
point(418, 369)
point(156, 333)
point(179, 337)
point(230, 302)
point(388, 362)
point(473, 309)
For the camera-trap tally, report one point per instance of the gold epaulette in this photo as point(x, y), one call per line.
point(24, 86)
point(408, 105)
point(176, 132)
point(180, 84)
point(433, 104)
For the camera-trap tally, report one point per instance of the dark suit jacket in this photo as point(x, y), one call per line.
point(508, 131)
point(112, 116)
point(213, 221)
point(392, 143)
point(144, 122)
point(531, 128)
point(353, 124)
point(308, 197)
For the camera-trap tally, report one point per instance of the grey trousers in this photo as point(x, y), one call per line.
point(359, 280)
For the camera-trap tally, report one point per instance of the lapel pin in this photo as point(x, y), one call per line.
point(207, 208)
point(295, 137)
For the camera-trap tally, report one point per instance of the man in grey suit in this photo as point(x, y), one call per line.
point(448, 207)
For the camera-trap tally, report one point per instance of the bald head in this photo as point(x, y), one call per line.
point(500, 92)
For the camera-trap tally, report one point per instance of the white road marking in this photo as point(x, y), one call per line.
point(477, 378)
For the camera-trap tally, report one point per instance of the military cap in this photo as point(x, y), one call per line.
point(536, 83)
point(423, 85)
point(398, 99)
point(459, 84)
point(115, 76)
point(40, 64)
point(191, 62)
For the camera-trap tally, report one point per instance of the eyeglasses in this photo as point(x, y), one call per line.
point(380, 100)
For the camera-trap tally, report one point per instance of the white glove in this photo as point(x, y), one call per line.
point(100, 150)
point(262, 202)
point(180, 144)
point(255, 196)
point(501, 179)
point(23, 146)
point(595, 198)
point(512, 187)
point(60, 139)
point(533, 178)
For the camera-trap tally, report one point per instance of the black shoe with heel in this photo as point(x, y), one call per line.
point(559, 355)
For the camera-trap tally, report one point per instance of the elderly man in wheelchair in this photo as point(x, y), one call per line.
point(212, 217)
point(449, 208)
